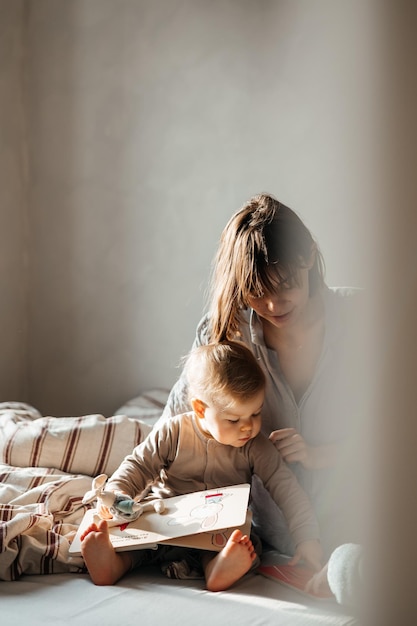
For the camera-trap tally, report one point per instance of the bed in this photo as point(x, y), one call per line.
point(46, 466)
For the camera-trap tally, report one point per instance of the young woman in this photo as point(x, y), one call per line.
point(268, 291)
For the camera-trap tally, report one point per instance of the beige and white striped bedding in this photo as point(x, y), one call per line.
point(46, 466)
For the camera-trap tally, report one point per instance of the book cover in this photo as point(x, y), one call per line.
point(202, 519)
point(293, 576)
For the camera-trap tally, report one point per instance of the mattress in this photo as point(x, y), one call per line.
point(148, 598)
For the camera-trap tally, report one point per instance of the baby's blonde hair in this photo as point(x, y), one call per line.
point(219, 370)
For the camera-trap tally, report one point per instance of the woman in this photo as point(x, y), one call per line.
point(268, 290)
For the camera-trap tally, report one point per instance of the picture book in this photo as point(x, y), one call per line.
point(293, 576)
point(213, 540)
point(202, 519)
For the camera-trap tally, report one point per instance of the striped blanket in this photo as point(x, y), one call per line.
point(46, 466)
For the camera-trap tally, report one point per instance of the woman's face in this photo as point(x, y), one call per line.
point(283, 307)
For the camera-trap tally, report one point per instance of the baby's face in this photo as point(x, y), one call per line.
point(237, 424)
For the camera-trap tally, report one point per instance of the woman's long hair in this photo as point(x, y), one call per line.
point(262, 248)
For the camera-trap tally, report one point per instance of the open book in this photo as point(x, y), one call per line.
point(202, 519)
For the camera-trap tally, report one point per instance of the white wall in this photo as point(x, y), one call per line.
point(149, 125)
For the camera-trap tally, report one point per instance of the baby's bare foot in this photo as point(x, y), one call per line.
point(104, 564)
point(231, 563)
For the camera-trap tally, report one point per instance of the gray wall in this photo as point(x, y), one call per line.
point(13, 206)
point(149, 123)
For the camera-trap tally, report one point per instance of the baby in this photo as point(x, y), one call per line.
point(217, 444)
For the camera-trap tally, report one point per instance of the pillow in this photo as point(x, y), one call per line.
point(148, 407)
point(91, 444)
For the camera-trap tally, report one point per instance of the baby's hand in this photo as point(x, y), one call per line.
point(309, 551)
point(125, 505)
point(117, 505)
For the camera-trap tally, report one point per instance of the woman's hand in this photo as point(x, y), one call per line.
point(318, 584)
point(309, 551)
point(293, 448)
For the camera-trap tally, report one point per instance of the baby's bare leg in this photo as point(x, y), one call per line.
point(231, 563)
point(104, 564)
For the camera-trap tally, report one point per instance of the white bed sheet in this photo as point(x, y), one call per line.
point(147, 598)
